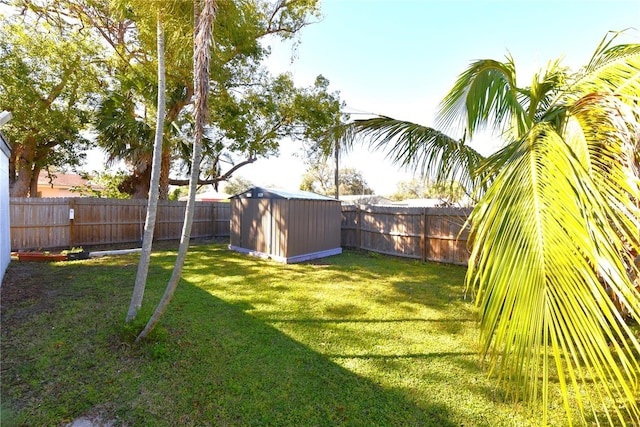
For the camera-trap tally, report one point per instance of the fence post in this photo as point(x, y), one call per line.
point(358, 227)
point(214, 210)
point(72, 215)
point(423, 237)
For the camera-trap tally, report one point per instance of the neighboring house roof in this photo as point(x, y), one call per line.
point(365, 200)
point(274, 193)
point(61, 180)
point(422, 203)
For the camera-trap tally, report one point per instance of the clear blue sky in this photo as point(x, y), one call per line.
point(400, 57)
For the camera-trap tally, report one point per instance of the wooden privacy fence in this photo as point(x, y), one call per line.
point(72, 222)
point(427, 234)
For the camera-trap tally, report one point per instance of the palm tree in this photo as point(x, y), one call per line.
point(203, 28)
point(556, 224)
point(154, 191)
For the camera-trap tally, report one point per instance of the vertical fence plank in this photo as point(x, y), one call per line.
point(358, 219)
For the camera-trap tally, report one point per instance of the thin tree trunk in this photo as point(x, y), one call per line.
point(152, 203)
point(202, 48)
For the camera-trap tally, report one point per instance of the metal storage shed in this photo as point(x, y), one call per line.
point(286, 226)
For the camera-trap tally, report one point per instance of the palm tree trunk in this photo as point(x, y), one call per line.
point(152, 203)
point(164, 173)
point(202, 49)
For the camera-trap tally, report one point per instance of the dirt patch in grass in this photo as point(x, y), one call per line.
point(26, 285)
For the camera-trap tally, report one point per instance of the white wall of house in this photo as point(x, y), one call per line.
point(5, 231)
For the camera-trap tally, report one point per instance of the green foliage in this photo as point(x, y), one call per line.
point(177, 193)
point(426, 150)
point(250, 109)
point(251, 123)
point(237, 185)
point(319, 179)
point(449, 192)
point(571, 241)
point(103, 184)
point(352, 182)
point(121, 131)
point(48, 81)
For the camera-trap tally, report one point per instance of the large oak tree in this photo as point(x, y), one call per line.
point(48, 80)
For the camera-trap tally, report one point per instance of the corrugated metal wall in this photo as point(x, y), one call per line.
point(313, 226)
point(285, 227)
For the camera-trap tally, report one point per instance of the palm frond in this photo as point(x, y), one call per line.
point(542, 241)
point(615, 69)
point(342, 136)
point(423, 149)
point(484, 96)
point(609, 133)
point(120, 133)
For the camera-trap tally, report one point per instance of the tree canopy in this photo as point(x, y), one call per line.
point(319, 179)
point(48, 81)
point(448, 192)
point(237, 185)
point(250, 110)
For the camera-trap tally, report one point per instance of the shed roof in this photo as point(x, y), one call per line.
point(274, 193)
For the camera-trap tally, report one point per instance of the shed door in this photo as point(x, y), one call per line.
point(255, 224)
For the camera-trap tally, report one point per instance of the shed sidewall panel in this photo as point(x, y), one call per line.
point(280, 211)
point(263, 230)
point(235, 232)
point(314, 226)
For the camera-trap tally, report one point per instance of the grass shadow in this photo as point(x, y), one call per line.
point(210, 363)
point(353, 341)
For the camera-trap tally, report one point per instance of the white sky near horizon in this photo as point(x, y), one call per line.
point(400, 57)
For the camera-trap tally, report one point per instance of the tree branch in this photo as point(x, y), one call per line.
point(216, 179)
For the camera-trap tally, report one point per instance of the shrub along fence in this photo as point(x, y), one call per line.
point(47, 223)
point(427, 234)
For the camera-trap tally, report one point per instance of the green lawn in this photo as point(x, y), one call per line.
point(354, 339)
